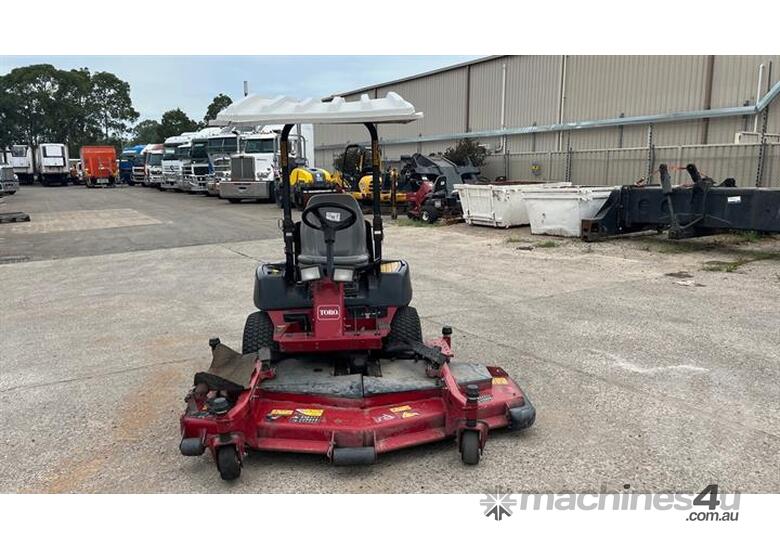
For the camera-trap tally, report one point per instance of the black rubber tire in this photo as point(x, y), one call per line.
point(429, 214)
point(234, 201)
point(469, 447)
point(228, 464)
point(258, 333)
point(405, 325)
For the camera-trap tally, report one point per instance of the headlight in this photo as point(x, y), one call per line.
point(343, 275)
point(310, 273)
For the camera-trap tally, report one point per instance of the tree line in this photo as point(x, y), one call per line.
point(40, 104)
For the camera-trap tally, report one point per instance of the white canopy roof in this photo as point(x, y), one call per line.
point(287, 110)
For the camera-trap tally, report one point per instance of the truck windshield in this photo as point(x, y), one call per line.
point(170, 153)
point(138, 161)
point(127, 156)
point(19, 151)
point(222, 145)
point(198, 151)
point(260, 146)
point(183, 153)
point(155, 159)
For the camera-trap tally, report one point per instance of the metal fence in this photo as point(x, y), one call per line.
point(626, 166)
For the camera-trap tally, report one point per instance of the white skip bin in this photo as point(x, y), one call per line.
point(560, 211)
point(498, 205)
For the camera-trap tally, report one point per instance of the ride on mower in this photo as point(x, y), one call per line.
point(436, 197)
point(333, 361)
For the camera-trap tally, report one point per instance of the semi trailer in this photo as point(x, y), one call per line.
point(51, 163)
point(22, 163)
point(98, 165)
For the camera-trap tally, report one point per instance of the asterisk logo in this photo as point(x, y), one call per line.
point(498, 504)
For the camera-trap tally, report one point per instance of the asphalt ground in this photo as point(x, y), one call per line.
point(651, 364)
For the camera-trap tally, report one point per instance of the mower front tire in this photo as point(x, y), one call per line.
point(258, 333)
point(469, 447)
point(228, 464)
point(429, 214)
point(405, 326)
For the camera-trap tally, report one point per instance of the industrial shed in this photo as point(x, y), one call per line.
point(593, 120)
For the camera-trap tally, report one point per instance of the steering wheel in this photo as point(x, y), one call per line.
point(333, 221)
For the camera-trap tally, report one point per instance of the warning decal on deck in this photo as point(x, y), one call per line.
point(310, 412)
point(409, 414)
point(281, 412)
point(307, 416)
point(500, 381)
point(384, 418)
point(401, 408)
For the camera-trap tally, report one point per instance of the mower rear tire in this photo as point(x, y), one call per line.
point(469, 447)
point(258, 333)
point(228, 464)
point(405, 326)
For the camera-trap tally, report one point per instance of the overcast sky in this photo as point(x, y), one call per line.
point(160, 83)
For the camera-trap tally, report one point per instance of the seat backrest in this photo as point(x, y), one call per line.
point(350, 246)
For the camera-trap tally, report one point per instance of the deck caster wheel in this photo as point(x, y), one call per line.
point(469, 447)
point(228, 464)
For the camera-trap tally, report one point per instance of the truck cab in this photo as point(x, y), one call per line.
point(98, 165)
point(153, 155)
point(22, 163)
point(175, 150)
point(254, 171)
point(9, 182)
point(197, 168)
point(220, 148)
point(126, 163)
point(52, 163)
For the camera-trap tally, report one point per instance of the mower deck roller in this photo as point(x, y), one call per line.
point(333, 360)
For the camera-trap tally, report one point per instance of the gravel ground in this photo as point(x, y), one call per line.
point(651, 363)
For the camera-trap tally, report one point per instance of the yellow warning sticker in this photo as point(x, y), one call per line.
point(410, 414)
point(310, 412)
point(500, 381)
point(281, 412)
point(401, 408)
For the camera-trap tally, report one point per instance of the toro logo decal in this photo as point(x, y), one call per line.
point(329, 312)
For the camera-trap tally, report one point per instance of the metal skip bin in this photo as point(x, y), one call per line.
point(499, 205)
point(560, 211)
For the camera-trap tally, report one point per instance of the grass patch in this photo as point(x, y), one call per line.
point(408, 222)
point(748, 236)
point(732, 266)
point(515, 240)
point(548, 244)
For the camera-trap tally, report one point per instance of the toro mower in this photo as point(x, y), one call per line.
point(436, 197)
point(333, 361)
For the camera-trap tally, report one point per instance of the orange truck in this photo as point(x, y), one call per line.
point(98, 165)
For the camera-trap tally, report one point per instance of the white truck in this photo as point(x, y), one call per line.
point(51, 161)
point(220, 148)
point(254, 172)
point(197, 167)
point(22, 163)
point(174, 150)
point(153, 155)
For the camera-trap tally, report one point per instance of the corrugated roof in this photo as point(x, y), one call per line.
point(414, 77)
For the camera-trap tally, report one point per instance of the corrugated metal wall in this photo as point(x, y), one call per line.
point(468, 98)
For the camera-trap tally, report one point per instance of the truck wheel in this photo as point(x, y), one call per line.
point(258, 333)
point(228, 464)
point(405, 326)
point(469, 447)
point(234, 201)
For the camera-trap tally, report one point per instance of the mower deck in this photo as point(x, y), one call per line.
point(304, 405)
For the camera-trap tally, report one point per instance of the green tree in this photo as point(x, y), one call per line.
point(147, 131)
point(174, 123)
point(217, 104)
point(467, 150)
point(112, 108)
point(41, 103)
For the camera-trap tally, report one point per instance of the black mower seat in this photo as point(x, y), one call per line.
point(350, 246)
